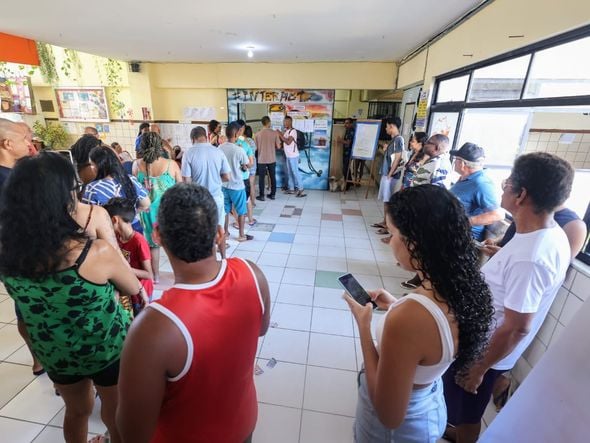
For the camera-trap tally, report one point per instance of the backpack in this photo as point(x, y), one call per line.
point(300, 140)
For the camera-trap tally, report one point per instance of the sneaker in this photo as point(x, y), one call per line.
point(260, 198)
point(272, 197)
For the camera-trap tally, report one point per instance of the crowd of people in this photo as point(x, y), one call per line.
point(80, 256)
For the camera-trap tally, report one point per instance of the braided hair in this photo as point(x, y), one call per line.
point(437, 234)
point(151, 148)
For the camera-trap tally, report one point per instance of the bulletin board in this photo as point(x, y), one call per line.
point(366, 138)
point(82, 104)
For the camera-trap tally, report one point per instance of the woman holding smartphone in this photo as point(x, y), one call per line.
point(448, 317)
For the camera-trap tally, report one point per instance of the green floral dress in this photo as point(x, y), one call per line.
point(76, 326)
point(156, 187)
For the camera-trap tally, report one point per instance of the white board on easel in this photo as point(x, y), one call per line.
point(366, 139)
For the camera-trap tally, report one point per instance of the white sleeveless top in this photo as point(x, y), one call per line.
point(427, 374)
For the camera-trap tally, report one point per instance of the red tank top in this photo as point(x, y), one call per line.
point(213, 399)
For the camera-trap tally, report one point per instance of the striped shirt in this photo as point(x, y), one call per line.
point(99, 192)
point(435, 172)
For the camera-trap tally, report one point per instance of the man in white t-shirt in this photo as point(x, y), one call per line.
point(524, 277)
point(289, 139)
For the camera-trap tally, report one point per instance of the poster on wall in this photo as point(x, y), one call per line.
point(82, 104)
point(312, 113)
point(422, 110)
point(16, 95)
point(444, 123)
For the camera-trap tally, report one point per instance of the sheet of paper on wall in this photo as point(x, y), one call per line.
point(321, 125)
point(276, 120)
point(309, 126)
point(199, 113)
point(299, 124)
point(567, 138)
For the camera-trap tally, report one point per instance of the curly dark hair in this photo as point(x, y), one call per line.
point(151, 149)
point(108, 164)
point(81, 149)
point(34, 230)
point(547, 179)
point(187, 222)
point(437, 233)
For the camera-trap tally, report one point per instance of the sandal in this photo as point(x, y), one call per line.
point(246, 238)
point(501, 392)
point(386, 240)
point(39, 372)
point(382, 231)
point(301, 194)
point(378, 225)
point(100, 439)
point(253, 222)
point(235, 226)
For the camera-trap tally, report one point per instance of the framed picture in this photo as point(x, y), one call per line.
point(82, 104)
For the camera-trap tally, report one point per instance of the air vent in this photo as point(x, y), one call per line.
point(47, 106)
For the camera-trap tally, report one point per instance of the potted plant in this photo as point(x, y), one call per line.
point(54, 135)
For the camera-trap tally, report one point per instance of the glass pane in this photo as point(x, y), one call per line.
point(502, 81)
point(560, 71)
point(498, 131)
point(452, 90)
point(444, 123)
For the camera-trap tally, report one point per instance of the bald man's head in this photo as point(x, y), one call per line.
point(15, 142)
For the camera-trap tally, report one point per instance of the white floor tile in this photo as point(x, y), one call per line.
point(22, 357)
point(330, 390)
point(13, 379)
point(299, 276)
point(332, 351)
point(308, 230)
point(302, 261)
point(274, 290)
point(332, 251)
point(356, 233)
point(252, 245)
point(332, 321)
point(364, 267)
point(286, 228)
point(7, 314)
point(332, 232)
point(306, 239)
point(369, 282)
point(358, 243)
point(285, 345)
point(281, 385)
point(277, 424)
point(336, 264)
point(272, 273)
point(391, 269)
point(298, 249)
point(329, 298)
point(10, 341)
point(277, 248)
point(331, 241)
point(272, 259)
point(37, 402)
point(247, 255)
point(295, 294)
point(360, 254)
point(392, 284)
point(317, 427)
point(15, 431)
point(291, 316)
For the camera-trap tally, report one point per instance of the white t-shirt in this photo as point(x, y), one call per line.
point(524, 276)
point(291, 148)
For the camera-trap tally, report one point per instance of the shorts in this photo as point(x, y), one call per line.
point(220, 202)
point(386, 189)
point(19, 316)
point(462, 406)
point(237, 198)
point(106, 377)
point(247, 188)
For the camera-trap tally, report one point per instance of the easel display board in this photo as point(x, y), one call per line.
point(364, 146)
point(366, 138)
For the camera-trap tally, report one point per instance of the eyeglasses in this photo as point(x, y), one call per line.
point(78, 186)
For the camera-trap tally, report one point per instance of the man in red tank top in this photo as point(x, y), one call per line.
point(187, 364)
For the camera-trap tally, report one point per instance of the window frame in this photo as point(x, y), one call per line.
point(521, 102)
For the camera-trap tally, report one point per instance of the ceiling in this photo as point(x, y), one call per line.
point(190, 31)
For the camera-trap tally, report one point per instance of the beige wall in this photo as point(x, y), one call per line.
point(486, 35)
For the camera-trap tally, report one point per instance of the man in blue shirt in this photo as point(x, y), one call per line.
point(475, 190)
point(207, 166)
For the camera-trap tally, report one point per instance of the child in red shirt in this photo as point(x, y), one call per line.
point(133, 245)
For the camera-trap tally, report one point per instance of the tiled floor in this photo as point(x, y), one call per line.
point(309, 395)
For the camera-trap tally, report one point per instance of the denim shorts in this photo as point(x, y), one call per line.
point(425, 419)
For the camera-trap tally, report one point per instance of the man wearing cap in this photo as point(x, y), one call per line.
point(474, 189)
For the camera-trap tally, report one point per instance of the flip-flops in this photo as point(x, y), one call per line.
point(301, 194)
point(386, 240)
point(39, 372)
point(253, 222)
point(378, 225)
point(245, 238)
point(382, 231)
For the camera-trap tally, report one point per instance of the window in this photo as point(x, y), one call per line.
point(452, 90)
point(444, 123)
point(501, 81)
point(498, 131)
point(561, 71)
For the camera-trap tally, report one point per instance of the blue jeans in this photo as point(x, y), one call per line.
point(293, 173)
point(425, 420)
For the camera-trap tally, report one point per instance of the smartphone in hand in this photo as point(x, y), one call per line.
point(354, 288)
point(479, 244)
